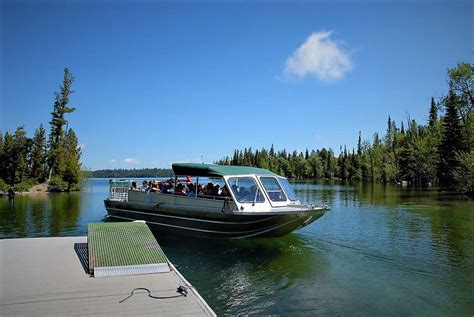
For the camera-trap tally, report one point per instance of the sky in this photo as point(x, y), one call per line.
point(162, 82)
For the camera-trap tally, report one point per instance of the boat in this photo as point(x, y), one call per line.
point(221, 201)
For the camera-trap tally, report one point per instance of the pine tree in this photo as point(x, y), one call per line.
point(376, 159)
point(343, 164)
point(256, 159)
point(433, 113)
point(72, 160)
point(451, 143)
point(407, 158)
point(38, 154)
point(8, 159)
point(359, 145)
point(16, 148)
point(235, 157)
point(56, 150)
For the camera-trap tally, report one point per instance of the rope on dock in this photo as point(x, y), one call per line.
point(182, 290)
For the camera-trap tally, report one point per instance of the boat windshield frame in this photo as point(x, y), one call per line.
point(283, 198)
point(288, 189)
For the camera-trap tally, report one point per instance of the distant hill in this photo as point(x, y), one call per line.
point(131, 173)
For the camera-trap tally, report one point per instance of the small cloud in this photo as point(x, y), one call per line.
point(130, 160)
point(321, 57)
point(82, 146)
point(113, 161)
point(318, 136)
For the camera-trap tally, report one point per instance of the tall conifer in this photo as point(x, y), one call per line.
point(38, 154)
point(433, 113)
point(58, 121)
point(451, 142)
point(72, 159)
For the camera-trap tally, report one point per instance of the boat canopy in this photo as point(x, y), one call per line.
point(214, 170)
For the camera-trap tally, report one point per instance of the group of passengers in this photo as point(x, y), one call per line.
point(244, 193)
point(184, 187)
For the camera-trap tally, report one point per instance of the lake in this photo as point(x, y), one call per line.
point(380, 250)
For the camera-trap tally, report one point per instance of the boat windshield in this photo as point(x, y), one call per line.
point(273, 188)
point(288, 189)
point(245, 190)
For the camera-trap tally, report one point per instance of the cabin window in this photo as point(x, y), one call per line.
point(273, 188)
point(288, 189)
point(245, 190)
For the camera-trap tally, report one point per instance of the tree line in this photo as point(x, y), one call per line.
point(133, 173)
point(439, 152)
point(55, 158)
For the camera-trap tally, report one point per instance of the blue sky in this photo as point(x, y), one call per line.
point(161, 82)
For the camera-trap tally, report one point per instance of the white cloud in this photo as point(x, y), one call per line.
point(131, 160)
point(319, 56)
point(113, 161)
point(82, 146)
point(318, 136)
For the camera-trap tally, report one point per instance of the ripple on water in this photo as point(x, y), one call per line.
point(380, 250)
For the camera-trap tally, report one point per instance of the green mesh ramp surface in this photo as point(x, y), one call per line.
point(124, 248)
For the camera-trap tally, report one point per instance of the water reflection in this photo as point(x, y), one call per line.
point(379, 249)
point(416, 240)
point(40, 215)
point(245, 275)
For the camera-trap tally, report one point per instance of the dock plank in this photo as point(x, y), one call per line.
point(44, 277)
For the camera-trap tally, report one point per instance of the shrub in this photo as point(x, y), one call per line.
point(57, 184)
point(3, 186)
point(25, 185)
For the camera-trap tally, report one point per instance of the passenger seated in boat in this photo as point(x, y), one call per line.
point(209, 190)
point(216, 190)
point(161, 186)
point(144, 186)
point(244, 195)
point(180, 190)
point(191, 190)
point(253, 194)
point(166, 188)
point(225, 191)
point(200, 190)
point(154, 187)
point(134, 186)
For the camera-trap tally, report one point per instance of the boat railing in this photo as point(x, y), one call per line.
point(119, 189)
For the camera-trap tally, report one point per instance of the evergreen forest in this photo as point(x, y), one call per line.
point(438, 153)
point(55, 158)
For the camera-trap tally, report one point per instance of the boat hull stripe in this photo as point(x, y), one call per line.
point(246, 234)
point(193, 219)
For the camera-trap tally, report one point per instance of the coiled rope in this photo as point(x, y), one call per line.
point(182, 290)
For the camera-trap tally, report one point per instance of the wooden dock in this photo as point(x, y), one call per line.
point(49, 277)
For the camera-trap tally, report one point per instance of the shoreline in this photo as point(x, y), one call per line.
point(39, 193)
point(39, 189)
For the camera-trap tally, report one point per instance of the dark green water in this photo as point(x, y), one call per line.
point(381, 250)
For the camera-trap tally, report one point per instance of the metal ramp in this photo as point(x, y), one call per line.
point(124, 248)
